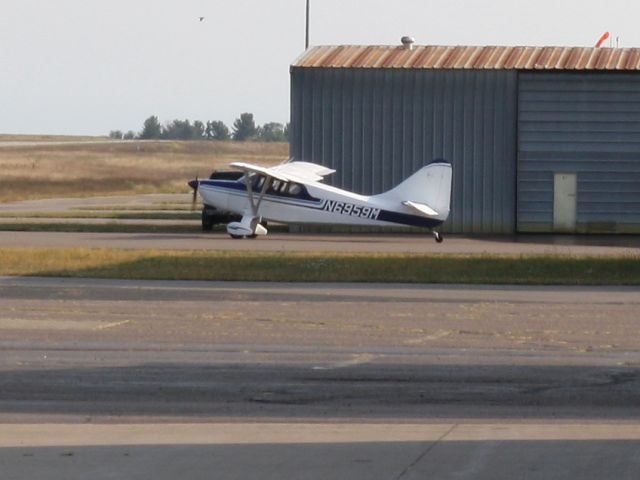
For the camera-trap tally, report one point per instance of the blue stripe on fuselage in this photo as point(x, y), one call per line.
point(231, 184)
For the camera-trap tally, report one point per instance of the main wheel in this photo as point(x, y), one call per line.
point(236, 237)
point(207, 223)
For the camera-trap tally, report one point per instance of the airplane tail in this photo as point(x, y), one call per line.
point(427, 192)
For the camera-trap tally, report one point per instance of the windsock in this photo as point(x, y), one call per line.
point(604, 36)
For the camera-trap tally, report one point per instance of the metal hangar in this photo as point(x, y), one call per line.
point(541, 139)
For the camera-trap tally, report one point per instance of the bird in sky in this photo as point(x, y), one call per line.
point(201, 19)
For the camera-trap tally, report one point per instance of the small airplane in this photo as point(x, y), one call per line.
point(293, 192)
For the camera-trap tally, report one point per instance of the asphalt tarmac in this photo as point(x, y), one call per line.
point(373, 243)
point(109, 379)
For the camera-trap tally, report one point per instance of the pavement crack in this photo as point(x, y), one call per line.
point(426, 452)
point(112, 325)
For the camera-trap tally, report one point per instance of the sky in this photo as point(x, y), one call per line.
point(86, 67)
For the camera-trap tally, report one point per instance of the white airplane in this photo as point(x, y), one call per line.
point(293, 193)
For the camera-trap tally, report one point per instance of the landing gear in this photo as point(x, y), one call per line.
point(438, 237)
point(247, 227)
point(211, 217)
point(207, 222)
point(251, 235)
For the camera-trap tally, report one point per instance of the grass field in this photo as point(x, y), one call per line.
point(86, 169)
point(8, 137)
point(321, 267)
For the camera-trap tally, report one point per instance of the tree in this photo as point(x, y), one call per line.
point(130, 135)
point(244, 128)
point(198, 130)
point(151, 129)
point(272, 132)
point(178, 130)
point(217, 130)
point(116, 134)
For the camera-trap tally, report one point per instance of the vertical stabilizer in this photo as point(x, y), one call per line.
point(429, 186)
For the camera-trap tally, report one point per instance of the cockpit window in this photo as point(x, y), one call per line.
point(276, 187)
point(257, 182)
point(294, 189)
point(287, 189)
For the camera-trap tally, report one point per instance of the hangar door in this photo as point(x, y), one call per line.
point(582, 132)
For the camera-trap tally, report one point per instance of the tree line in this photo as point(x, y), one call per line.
point(244, 128)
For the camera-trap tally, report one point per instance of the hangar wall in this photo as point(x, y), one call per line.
point(377, 126)
point(586, 125)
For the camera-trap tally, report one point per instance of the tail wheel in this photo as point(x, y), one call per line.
point(438, 236)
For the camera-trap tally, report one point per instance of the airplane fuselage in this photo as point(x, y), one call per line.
point(316, 203)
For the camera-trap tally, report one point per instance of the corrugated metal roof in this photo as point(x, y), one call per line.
point(472, 58)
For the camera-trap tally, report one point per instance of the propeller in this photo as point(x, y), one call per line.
point(194, 184)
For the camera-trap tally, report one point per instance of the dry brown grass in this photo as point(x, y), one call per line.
point(80, 170)
point(9, 137)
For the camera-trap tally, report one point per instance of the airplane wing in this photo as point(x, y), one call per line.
point(421, 208)
point(301, 172)
point(247, 167)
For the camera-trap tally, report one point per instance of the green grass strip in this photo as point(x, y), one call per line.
point(321, 267)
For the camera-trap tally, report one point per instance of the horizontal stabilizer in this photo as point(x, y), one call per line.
point(421, 208)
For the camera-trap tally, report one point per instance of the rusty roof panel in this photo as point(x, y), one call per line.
point(554, 56)
point(583, 60)
point(333, 55)
point(600, 60)
point(469, 57)
point(572, 59)
point(438, 57)
point(360, 58)
point(621, 60)
point(494, 56)
point(378, 58)
point(392, 56)
point(632, 60)
point(511, 58)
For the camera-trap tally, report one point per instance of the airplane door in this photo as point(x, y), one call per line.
point(565, 186)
